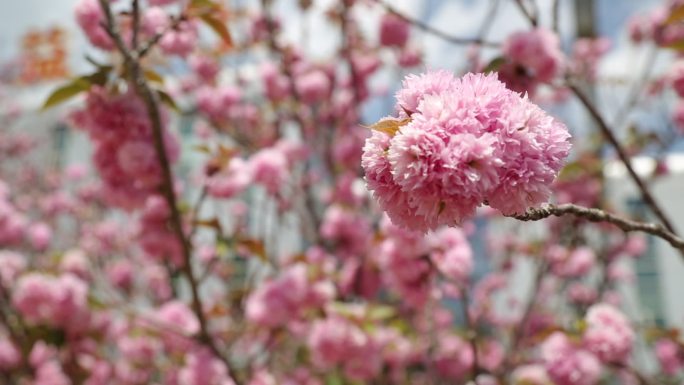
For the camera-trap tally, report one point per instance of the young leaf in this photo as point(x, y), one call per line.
point(100, 76)
point(219, 27)
point(66, 92)
point(677, 14)
point(154, 77)
point(202, 4)
point(256, 247)
point(389, 126)
point(168, 100)
point(677, 45)
point(212, 223)
point(494, 65)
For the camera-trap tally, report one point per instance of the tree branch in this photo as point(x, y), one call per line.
point(555, 13)
point(145, 92)
point(610, 137)
point(136, 24)
point(147, 47)
point(471, 331)
point(519, 331)
point(597, 215)
point(435, 32)
point(530, 15)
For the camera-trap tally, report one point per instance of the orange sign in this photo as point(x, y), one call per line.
point(43, 56)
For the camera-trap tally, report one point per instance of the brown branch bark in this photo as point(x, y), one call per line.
point(471, 332)
point(530, 15)
point(612, 139)
point(150, 99)
point(136, 24)
point(597, 215)
point(285, 68)
point(147, 47)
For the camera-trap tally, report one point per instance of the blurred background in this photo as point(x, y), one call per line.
point(41, 47)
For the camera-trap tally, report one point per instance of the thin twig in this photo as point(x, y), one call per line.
point(519, 331)
point(433, 31)
point(530, 16)
point(147, 47)
point(597, 215)
point(297, 114)
point(196, 211)
point(136, 24)
point(641, 378)
point(637, 88)
point(346, 49)
point(145, 92)
point(489, 19)
point(622, 154)
point(555, 13)
point(470, 330)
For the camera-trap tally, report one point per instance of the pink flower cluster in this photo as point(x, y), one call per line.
point(276, 85)
point(337, 341)
point(568, 364)
point(53, 301)
point(125, 155)
point(13, 223)
point(394, 31)
point(347, 230)
point(232, 180)
point(268, 167)
point(283, 299)
point(202, 368)
point(609, 334)
point(313, 86)
point(454, 357)
point(676, 79)
point(452, 255)
point(406, 259)
point(468, 142)
point(404, 268)
point(571, 263)
point(218, 102)
point(670, 355)
point(10, 356)
point(47, 366)
point(155, 237)
point(11, 265)
point(586, 54)
point(654, 25)
point(90, 17)
point(180, 40)
point(531, 57)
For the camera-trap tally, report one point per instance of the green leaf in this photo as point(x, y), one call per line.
point(381, 312)
point(219, 27)
point(66, 92)
point(99, 77)
point(570, 171)
point(494, 65)
point(334, 379)
point(168, 100)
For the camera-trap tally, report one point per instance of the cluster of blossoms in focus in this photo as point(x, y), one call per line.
point(463, 143)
